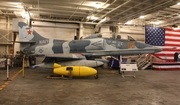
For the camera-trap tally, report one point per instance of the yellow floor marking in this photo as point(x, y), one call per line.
point(7, 82)
point(2, 86)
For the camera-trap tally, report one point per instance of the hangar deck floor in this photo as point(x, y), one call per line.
point(148, 88)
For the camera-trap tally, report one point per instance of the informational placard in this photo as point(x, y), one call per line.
point(128, 67)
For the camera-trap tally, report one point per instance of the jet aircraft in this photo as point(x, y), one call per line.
point(77, 52)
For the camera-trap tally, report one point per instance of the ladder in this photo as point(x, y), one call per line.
point(144, 61)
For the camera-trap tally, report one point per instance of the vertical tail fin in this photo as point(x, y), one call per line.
point(27, 34)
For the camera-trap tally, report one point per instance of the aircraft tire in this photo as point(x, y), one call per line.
point(96, 76)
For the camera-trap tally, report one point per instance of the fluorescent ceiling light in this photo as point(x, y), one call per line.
point(92, 17)
point(105, 19)
point(98, 5)
point(25, 15)
point(157, 22)
point(120, 23)
point(129, 22)
point(176, 28)
point(141, 17)
point(15, 3)
point(19, 6)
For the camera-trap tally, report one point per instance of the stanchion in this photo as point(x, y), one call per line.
point(96, 76)
point(7, 72)
point(8, 63)
point(23, 67)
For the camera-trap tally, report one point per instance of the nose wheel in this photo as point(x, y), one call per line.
point(96, 76)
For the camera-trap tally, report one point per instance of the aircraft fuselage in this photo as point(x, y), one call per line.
point(49, 46)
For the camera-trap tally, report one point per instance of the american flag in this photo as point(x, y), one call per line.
point(166, 38)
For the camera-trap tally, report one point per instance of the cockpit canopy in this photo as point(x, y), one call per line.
point(124, 37)
point(93, 36)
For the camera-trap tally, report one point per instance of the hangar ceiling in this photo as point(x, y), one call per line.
point(111, 12)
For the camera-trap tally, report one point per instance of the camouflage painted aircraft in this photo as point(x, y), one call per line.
point(76, 52)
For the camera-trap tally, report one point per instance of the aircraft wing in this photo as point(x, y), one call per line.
point(63, 57)
point(70, 56)
point(122, 52)
point(76, 56)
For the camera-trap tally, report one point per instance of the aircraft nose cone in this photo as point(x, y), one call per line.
point(99, 63)
point(157, 49)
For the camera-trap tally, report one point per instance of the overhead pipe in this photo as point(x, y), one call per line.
point(145, 10)
point(165, 11)
point(116, 8)
point(170, 15)
point(129, 8)
point(170, 21)
point(107, 6)
point(38, 9)
point(7, 14)
point(76, 10)
point(172, 9)
point(67, 21)
point(100, 10)
point(99, 23)
point(167, 21)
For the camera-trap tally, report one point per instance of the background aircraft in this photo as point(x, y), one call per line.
point(76, 52)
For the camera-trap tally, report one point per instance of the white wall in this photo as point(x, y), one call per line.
point(88, 30)
point(15, 23)
point(57, 25)
point(62, 31)
point(16, 45)
point(5, 31)
point(137, 33)
point(5, 35)
point(58, 33)
point(105, 31)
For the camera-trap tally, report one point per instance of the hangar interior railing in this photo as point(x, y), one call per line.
point(144, 61)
